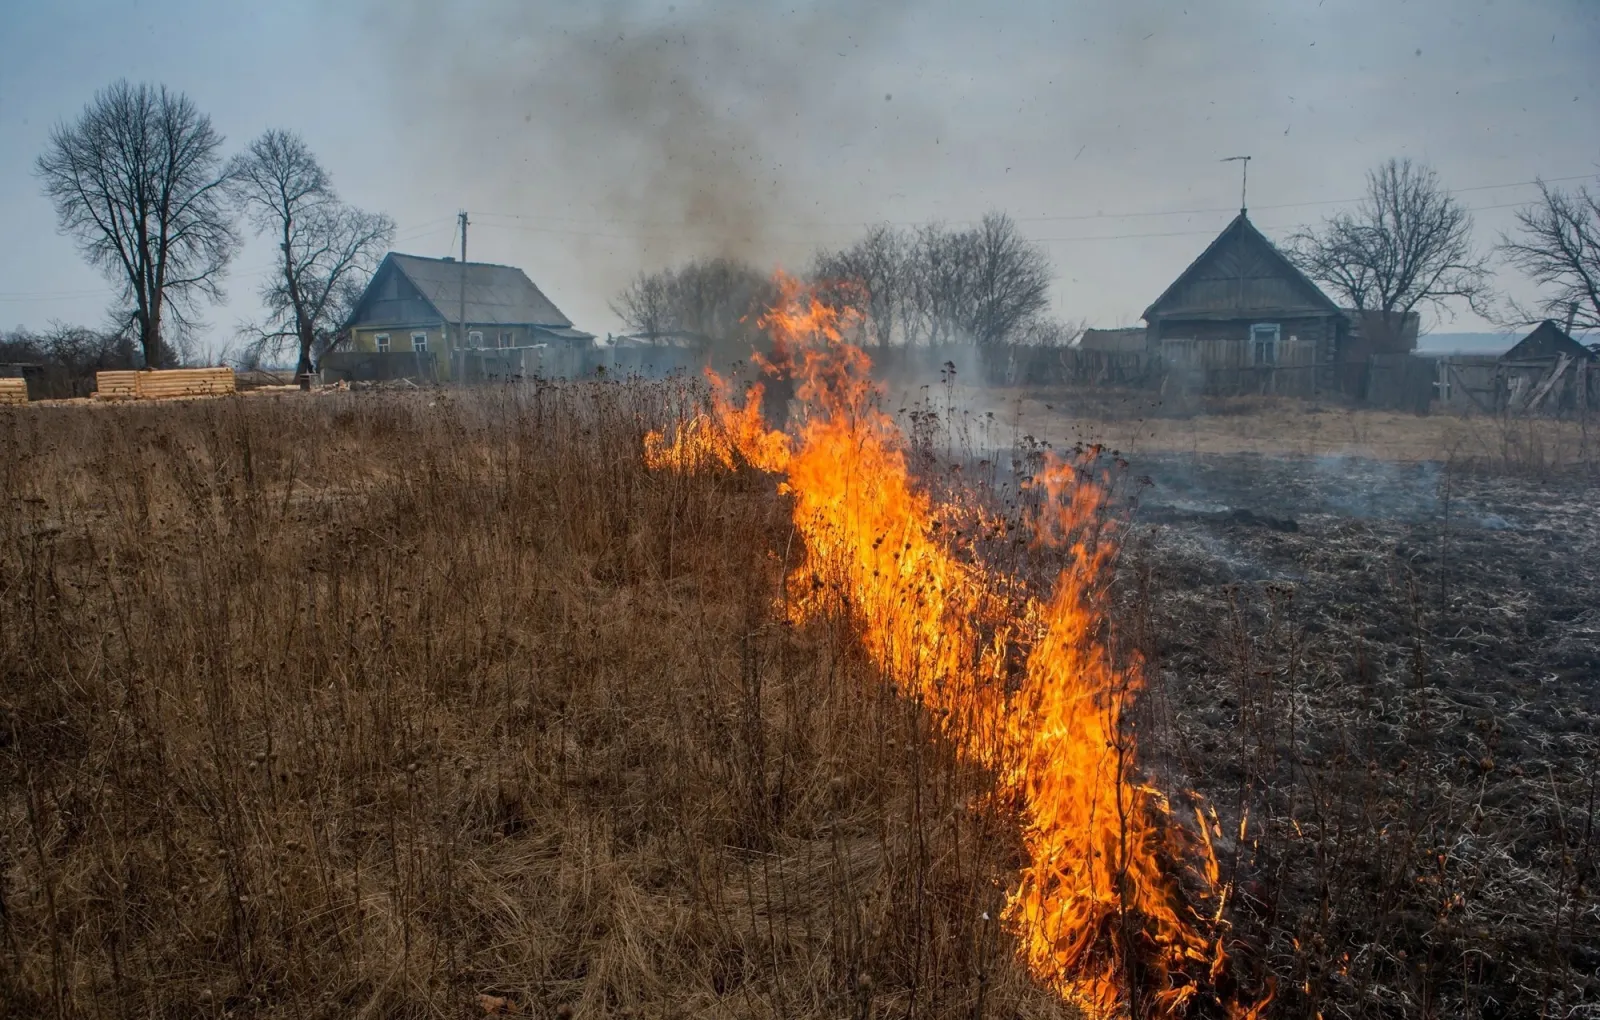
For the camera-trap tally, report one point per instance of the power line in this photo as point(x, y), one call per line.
point(800, 242)
point(422, 230)
point(1041, 218)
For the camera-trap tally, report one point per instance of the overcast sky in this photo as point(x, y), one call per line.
point(591, 140)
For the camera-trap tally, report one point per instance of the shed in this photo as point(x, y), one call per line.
point(1547, 372)
point(1547, 342)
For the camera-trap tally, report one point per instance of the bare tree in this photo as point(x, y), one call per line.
point(715, 299)
point(1407, 244)
point(138, 181)
point(1558, 247)
point(982, 285)
point(645, 305)
point(1043, 331)
point(875, 274)
point(326, 249)
point(940, 285)
point(1009, 280)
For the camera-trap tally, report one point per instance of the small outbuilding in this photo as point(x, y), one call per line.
point(1547, 371)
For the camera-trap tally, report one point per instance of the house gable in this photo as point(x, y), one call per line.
point(391, 299)
point(1241, 274)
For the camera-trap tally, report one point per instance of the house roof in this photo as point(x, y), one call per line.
point(495, 295)
point(1241, 230)
point(1121, 339)
point(1547, 341)
point(565, 332)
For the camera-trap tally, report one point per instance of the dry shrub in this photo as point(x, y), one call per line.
point(376, 705)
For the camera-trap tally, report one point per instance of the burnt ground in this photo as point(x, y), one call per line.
point(1390, 675)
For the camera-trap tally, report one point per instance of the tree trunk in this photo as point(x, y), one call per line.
point(304, 366)
point(150, 334)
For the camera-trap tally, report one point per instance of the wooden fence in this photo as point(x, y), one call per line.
point(1228, 367)
point(13, 391)
point(1017, 365)
point(162, 383)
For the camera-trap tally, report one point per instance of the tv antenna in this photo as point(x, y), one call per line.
point(1244, 177)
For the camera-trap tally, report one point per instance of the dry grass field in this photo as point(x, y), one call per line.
point(373, 705)
point(442, 703)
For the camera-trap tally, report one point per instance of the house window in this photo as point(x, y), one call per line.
point(1264, 344)
point(419, 342)
point(505, 340)
point(381, 342)
point(475, 339)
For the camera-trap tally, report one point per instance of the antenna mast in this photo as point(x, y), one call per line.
point(1244, 178)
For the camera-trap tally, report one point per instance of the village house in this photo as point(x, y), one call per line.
point(443, 319)
point(1243, 318)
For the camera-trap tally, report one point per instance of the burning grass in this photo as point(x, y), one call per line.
point(541, 700)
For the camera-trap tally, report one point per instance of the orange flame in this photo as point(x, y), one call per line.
point(1101, 909)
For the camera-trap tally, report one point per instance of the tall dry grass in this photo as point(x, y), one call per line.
point(364, 706)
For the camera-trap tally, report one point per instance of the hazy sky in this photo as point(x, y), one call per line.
point(590, 140)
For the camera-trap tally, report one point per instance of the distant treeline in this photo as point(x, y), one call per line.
point(62, 361)
point(928, 286)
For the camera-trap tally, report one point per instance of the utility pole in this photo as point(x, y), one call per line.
point(1244, 179)
point(461, 331)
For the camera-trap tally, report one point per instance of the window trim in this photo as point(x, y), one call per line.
point(475, 339)
point(1258, 343)
point(380, 342)
point(505, 339)
point(419, 348)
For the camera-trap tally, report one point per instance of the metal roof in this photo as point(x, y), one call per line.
point(495, 295)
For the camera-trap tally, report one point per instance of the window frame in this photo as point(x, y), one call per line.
point(505, 339)
point(475, 339)
point(380, 342)
point(421, 348)
point(1259, 343)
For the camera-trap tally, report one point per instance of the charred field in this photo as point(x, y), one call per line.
point(445, 704)
point(1390, 675)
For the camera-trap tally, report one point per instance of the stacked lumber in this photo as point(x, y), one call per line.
point(172, 382)
point(115, 385)
point(13, 391)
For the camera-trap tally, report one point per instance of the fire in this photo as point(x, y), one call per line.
point(1119, 906)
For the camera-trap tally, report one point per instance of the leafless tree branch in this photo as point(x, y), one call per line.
point(137, 180)
point(1408, 244)
point(1557, 245)
point(326, 249)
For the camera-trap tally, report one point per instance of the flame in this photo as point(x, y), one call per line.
point(1110, 909)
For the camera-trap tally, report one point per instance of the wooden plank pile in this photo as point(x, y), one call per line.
point(171, 382)
point(13, 391)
